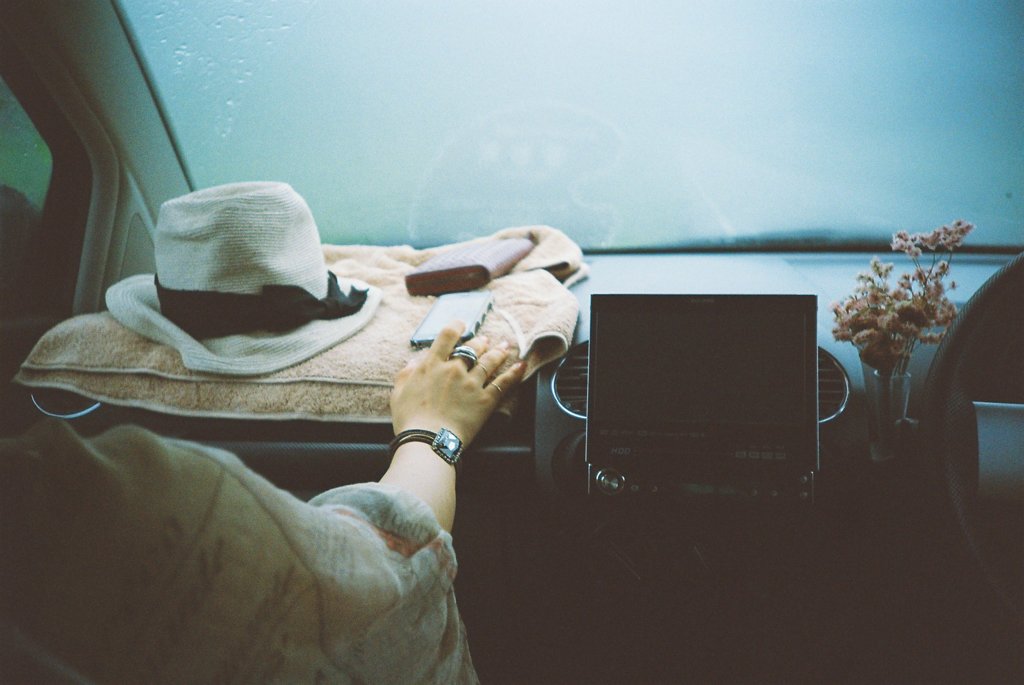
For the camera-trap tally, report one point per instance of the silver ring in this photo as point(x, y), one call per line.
point(500, 391)
point(465, 352)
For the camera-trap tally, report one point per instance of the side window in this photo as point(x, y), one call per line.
point(45, 190)
point(26, 167)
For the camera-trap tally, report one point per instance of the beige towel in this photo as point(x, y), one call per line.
point(93, 355)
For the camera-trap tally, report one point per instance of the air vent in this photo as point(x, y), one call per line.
point(833, 387)
point(569, 384)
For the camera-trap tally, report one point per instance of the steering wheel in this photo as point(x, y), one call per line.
point(981, 357)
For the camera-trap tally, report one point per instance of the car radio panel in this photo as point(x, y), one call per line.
point(703, 396)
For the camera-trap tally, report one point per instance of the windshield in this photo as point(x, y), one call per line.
point(631, 124)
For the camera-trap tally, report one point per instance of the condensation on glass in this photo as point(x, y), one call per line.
point(622, 123)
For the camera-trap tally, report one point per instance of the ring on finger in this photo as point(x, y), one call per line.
point(466, 353)
point(487, 372)
point(498, 387)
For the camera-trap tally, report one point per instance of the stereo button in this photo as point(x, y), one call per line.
point(610, 481)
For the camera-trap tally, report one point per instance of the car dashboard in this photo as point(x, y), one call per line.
point(842, 414)
point(592, 584)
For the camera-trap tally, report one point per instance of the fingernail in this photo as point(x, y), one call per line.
point(503, 345)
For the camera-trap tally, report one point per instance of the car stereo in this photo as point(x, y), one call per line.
point(704, 396)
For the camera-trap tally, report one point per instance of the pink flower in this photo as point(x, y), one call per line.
point(887, 323)
point(866, 337)
point(931, 240)
point(953, 236)
point(901, 242)
point(842, 334)
point(911, 313)
point(880, 269)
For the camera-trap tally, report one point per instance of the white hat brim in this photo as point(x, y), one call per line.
point(135, 304)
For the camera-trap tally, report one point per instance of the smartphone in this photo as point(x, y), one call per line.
point(470, 307)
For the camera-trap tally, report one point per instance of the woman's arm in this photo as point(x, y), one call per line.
point(436, 391)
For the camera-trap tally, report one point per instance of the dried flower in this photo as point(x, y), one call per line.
point(886, 323)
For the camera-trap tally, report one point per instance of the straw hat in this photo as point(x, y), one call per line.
point(241, 286)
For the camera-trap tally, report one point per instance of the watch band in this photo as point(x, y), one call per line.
point(445, 444)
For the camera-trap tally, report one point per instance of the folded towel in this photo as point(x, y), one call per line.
point(95, 356)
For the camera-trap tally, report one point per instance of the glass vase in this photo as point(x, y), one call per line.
point(887, 397)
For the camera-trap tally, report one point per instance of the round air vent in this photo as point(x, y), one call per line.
point(569, 384)
point(833, 387)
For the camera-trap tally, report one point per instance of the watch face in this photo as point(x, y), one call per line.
point(448, 445)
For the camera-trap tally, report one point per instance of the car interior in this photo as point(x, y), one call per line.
point(700, 479)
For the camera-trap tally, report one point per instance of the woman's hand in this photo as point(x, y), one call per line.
point(436, 390)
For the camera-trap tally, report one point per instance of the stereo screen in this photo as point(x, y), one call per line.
point(665, 360)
